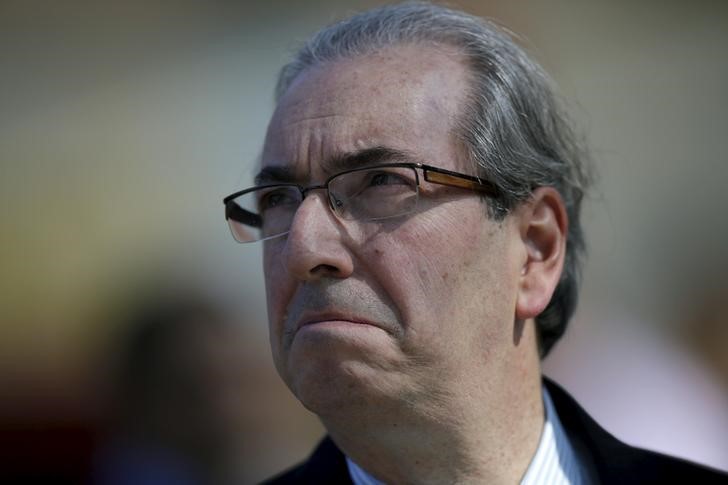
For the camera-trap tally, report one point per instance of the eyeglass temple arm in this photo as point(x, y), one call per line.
point(457, 180)
point(235, 212)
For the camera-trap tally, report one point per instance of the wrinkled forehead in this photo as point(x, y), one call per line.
point(406, 98)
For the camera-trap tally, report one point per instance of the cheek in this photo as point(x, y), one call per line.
point(448, 277)
point(444, 249)
point(425, 260)
point(277, 289)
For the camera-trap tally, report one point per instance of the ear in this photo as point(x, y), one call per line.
point(543, 225)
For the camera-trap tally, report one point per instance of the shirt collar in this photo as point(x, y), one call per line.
point(555, 461)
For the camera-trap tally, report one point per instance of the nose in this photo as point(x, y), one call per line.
point(317, 244)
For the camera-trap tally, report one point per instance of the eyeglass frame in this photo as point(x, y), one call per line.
point(432, 174)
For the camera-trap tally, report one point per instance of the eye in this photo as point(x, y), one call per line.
point(387, 178)
point(277, 198)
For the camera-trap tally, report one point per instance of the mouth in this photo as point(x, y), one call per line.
point(332, 319)
point(338, 310)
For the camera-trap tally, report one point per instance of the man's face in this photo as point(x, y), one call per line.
point(399, 309)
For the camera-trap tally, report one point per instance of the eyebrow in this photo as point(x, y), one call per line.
point(338, 163)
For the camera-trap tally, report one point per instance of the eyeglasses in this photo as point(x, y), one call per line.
point(363, 194)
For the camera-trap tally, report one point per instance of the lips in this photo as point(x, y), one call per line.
point(312, 319)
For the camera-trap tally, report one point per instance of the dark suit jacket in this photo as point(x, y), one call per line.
point(612, 460)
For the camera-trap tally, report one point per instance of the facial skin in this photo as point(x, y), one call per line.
point(413, 323)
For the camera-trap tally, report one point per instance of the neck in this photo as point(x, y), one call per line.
point(472, 429)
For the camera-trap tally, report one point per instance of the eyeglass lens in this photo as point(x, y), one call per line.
point(364, 195)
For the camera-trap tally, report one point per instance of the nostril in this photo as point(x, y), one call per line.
point(325, 269)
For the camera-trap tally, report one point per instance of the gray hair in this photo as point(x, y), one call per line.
point(512, 128)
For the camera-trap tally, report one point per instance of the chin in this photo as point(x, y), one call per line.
point(336, 368)
point(326, 387)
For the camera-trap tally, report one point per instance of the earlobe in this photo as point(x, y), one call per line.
point(543, 228)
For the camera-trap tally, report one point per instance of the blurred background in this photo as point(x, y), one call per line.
point(122, 126)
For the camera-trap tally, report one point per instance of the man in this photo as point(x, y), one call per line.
point(418, 203)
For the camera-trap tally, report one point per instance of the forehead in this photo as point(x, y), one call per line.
point(406, 98)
